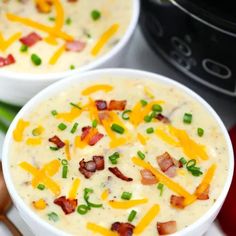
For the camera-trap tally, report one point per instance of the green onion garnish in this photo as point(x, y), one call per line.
point(114, 157)
point(141, 155)
point(64, 171)
point(54, 112)
point(126, 196)
point(54, 148)
point(94, 123)
point(62, 126)
point(147, 118)
point(191, 167)
point(157, 108)
point(200, 132)
point(187, 119)
point(36, 59)
point(153, 114)
point(74, 128)
point(53, 216)
point(125, 115)
point(183, 160)
point(24, 48)
point(149, 130)
point(68, 21)
point(160, 186)
point(64, 162)
point(51, 18)
point(72, 67)
point(75, 105)
point(143, 102)
point(87, 191)
point(82, 209)
point(41, 187)
point(132, 215)
point(95, 14)
point(117, 128)
point(36, 132)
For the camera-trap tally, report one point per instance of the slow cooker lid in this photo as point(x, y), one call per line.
point(221, 14)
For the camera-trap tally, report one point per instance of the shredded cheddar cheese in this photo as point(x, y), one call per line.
point(141, 139)
point(55, 57)
point(127, 204)
point(69, 116)
point(5, 44)
point(100, 230)
point(19, 130)
point(74, 189)
point(105, 194)
point(34, 141)
point(67, 150)
point(166, 138)
point(107, 35)
point(95, 88)
point(40, 204)
point(147, 219)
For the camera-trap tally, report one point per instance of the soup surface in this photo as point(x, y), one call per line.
point(119, 156)
point(43, 36)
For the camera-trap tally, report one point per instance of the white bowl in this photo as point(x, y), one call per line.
point(17, 88)
point(41, 227)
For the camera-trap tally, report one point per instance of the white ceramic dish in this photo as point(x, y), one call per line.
point(39, 226)
point(18, 88)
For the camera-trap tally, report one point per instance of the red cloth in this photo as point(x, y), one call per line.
point(227, 215)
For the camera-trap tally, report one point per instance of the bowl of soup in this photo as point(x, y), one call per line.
point(42, 41)
point(118, 152)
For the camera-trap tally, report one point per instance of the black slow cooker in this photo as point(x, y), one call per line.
point(198, 37)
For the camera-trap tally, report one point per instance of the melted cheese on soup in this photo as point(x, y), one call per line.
point(39, 36)
point(119, 154)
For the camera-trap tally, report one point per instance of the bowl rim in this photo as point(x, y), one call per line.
point(94, 75)
point(47, 77)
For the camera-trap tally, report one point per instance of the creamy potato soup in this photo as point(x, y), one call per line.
point(43, 36)
point(119, 156)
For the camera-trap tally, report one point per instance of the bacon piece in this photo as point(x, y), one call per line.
point(147, 177)
point(177, 201)
point(93, 139)
point(162, 118)
point(90, 166)
point(101, 105)
point(31, 39)
point(57, 141)
point(117, 105)
point(83, 169)
point(5, 61)
point(117, 173)
point(104, 115)
point(123, 229)
point(85, 132)
point(75, 46)
point(99, 161)
point(205, 194)
point(168, 227)
point(171, 172)
point(67, 205)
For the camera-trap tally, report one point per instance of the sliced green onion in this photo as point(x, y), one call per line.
point(147, 118)
point(187, 119)
point(94, 123)
point(200, 132)
point(95, 14)
point(75, 105)
point(41, 187)
point(191, 167)
point(149, 130)
point(117, 128)
point(68, 21)
point(82, 209)
point(53, 216)
point(24, 48)
point(54, 112)
point(157, 108)
point(64, 172)
point(36, 59)
point(191, 163)
point(36, 132)
point(160, 186)
point(132, 215)
point(51, 18)
point(141, 155)
point(62, 126)
point(87, 191)
point(143, 102)
point(54, 148)
point(183, 160)
point(125, 115)
point(64, 162)
point(72, 67)
point(126, 195)
point(74, 128)
point(153, 114)
point(114, 157)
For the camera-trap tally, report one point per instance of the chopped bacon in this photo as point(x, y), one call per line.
point(205, 194)
point(168, 227)
point(95, 138)
point(31, 39)
point(171, 172)
point(147, 177)
point(101, 105)
point(117, 173)
point(67, 205)
point(75, 46)
point(99, 161)
point(123, 229)
point(117, 105)
point(85, 132)
point(7, 60)
point(177, 201)
point(104, 115)
point(90, 166)
point(57, 141)
point(162, 118)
